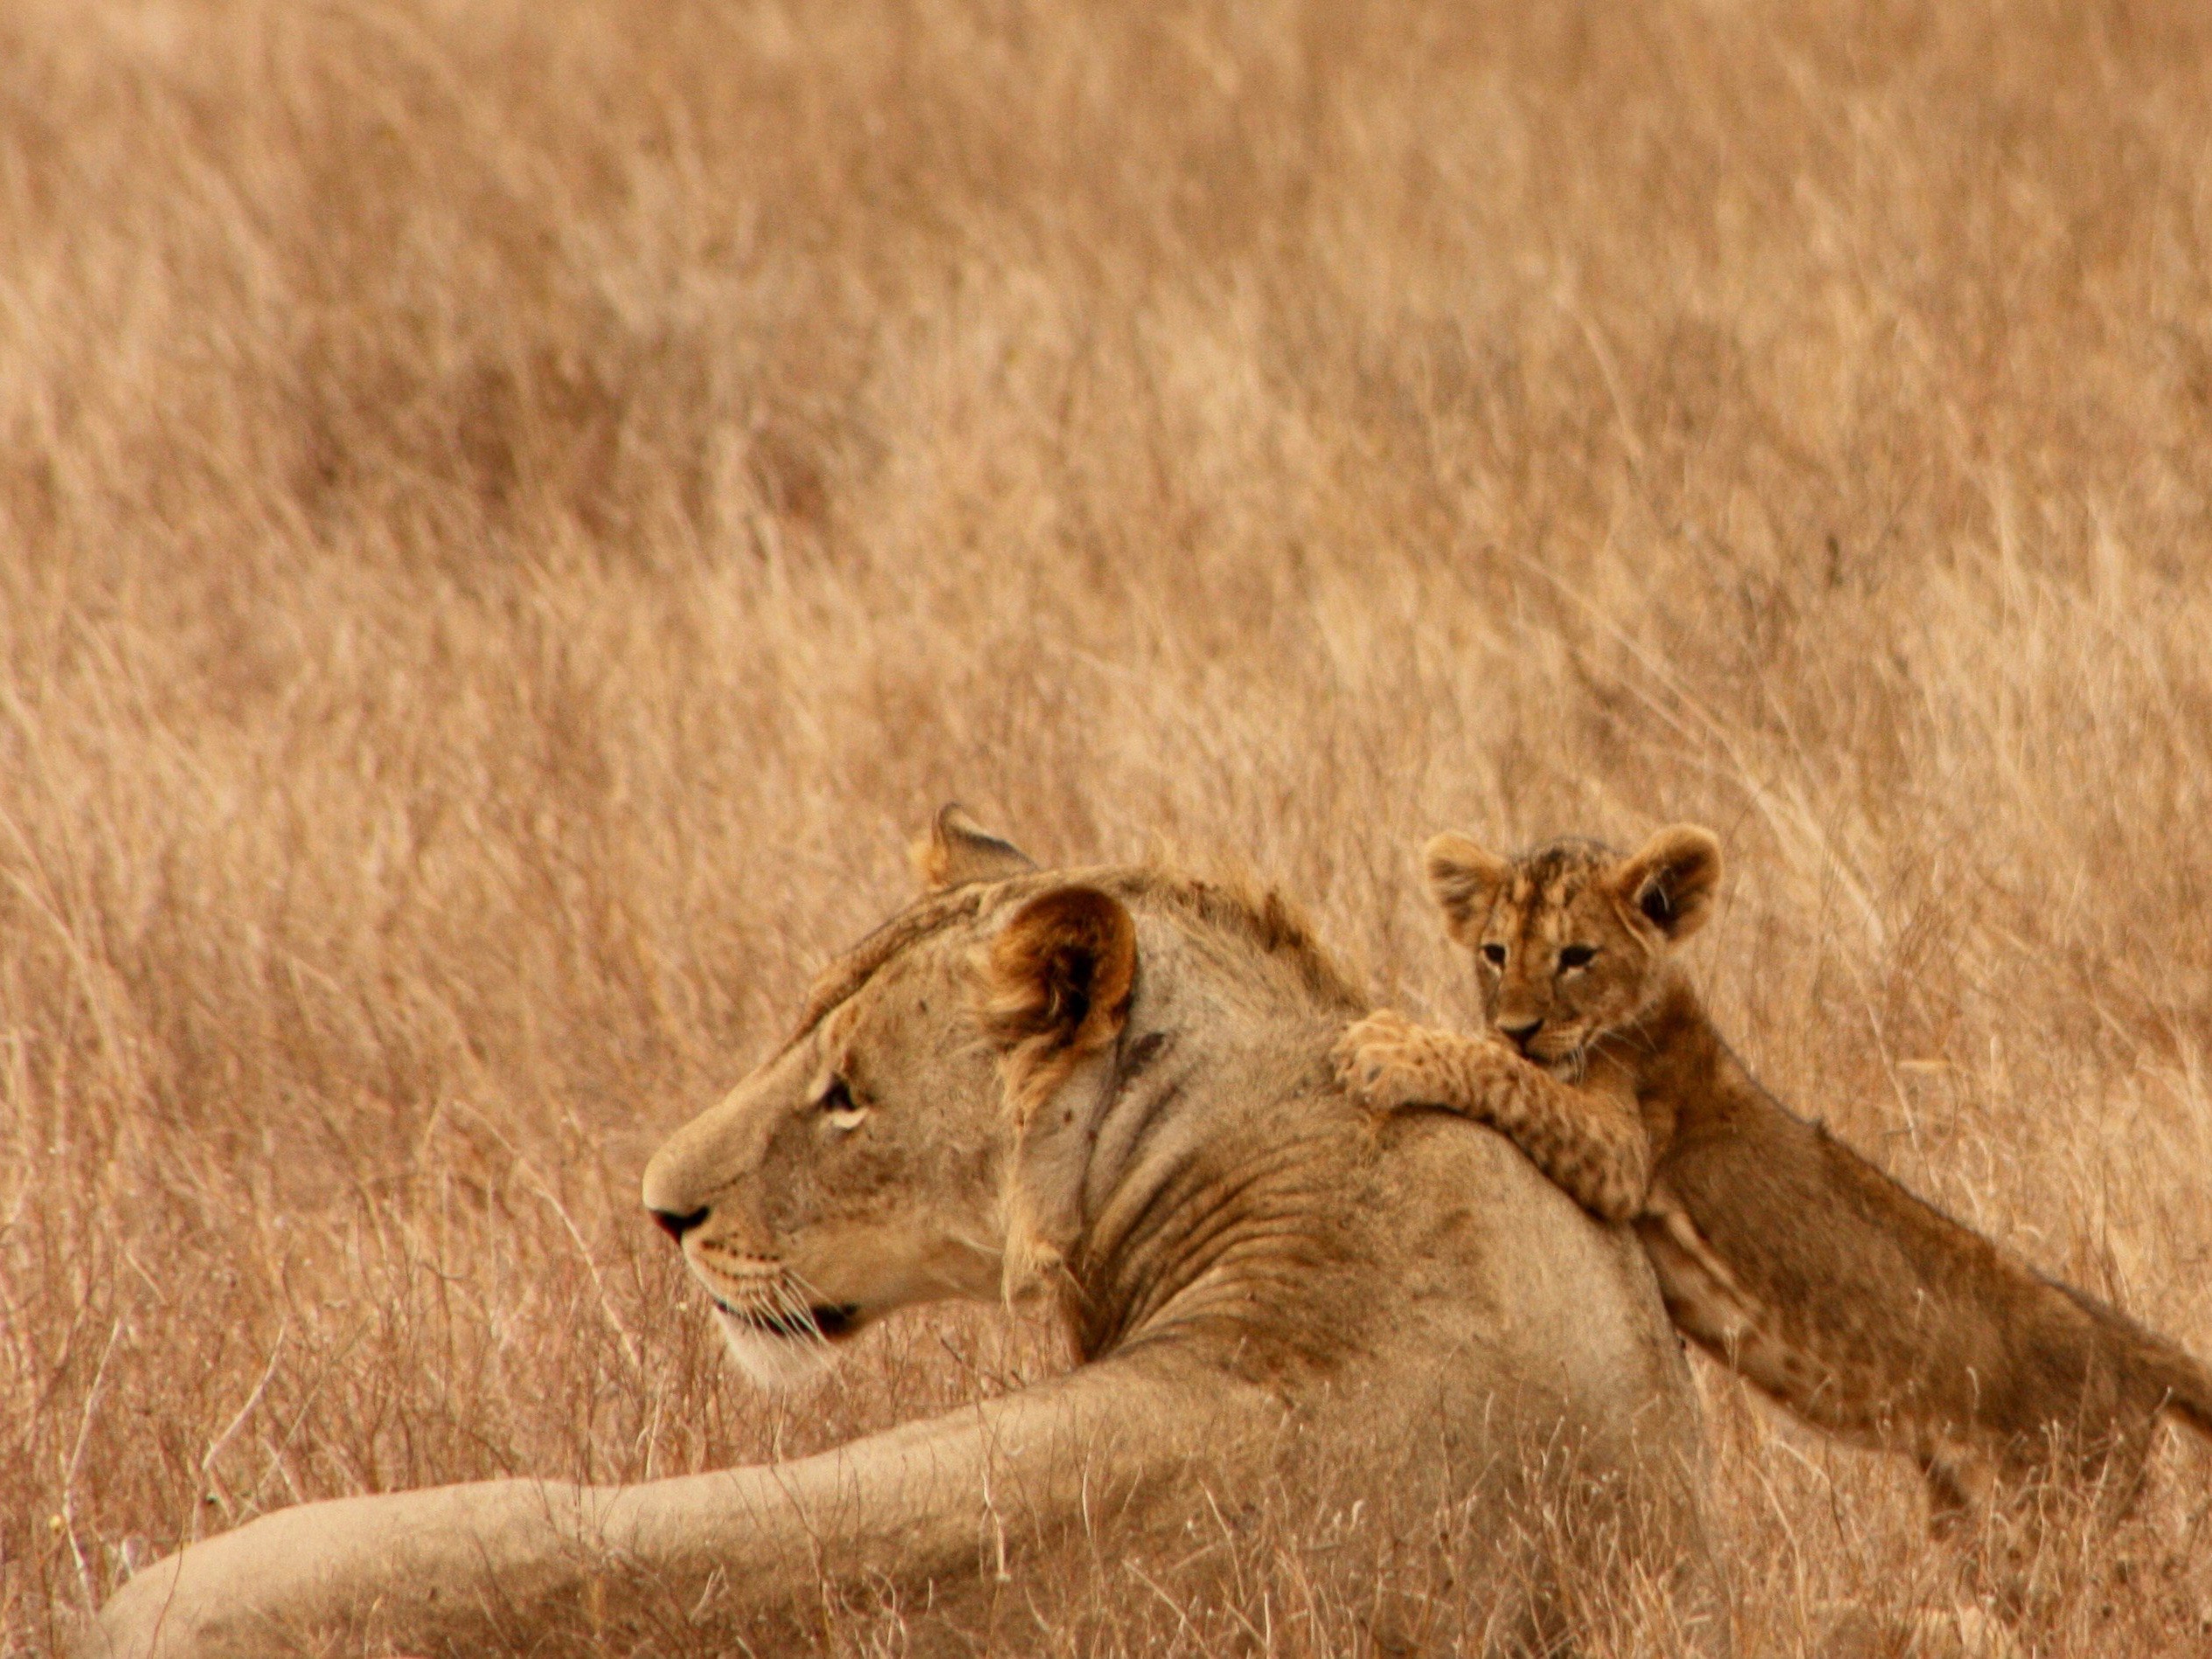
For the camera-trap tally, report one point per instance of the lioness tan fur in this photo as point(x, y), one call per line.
point(1863, 1309)
point(1111, 1087)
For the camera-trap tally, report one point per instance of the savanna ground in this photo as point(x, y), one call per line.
point(512, 514)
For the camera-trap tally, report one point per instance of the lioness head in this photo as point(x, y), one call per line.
point(876, 1160)
point(1569, 939)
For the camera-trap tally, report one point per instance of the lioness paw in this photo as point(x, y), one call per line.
point(1385, 1062)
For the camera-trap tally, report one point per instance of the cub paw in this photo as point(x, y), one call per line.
point(1383, 1062)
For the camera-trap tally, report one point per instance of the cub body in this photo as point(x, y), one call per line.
point(1827, 1284)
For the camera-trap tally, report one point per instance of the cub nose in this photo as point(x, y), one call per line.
point(1520, 1032)
point(676, 1225)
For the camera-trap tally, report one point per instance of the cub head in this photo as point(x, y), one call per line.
point(882, 1158)
point(1570, 940)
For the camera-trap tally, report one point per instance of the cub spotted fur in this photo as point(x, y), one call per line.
point(1864, 1311)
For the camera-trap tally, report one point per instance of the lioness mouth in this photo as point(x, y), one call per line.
point(815, 1321)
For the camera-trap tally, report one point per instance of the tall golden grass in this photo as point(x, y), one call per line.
point(511, 513)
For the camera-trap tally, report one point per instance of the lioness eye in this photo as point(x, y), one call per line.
point(1493, 955)
point(1577, 956)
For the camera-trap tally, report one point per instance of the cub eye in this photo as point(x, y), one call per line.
point(838, 1106)
point(1493, 955)
point(1577, 956)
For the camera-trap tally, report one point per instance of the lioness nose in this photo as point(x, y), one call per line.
point(1519, 1033)
point(676, 1225)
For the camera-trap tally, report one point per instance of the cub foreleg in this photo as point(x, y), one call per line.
point(1590, 1143)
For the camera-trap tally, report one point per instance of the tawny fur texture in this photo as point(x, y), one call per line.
point(1861, 1308)
point(1116, 1083)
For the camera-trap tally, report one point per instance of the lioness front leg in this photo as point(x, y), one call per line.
point(1590, 1143)
point(740, 1556)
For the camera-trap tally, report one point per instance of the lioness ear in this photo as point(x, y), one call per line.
point(958, 849)
point(1465, 881)
point(1670, 882)
point(1056, 987)
point(1060, 974)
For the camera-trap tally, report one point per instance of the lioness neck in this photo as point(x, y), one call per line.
point(1201, 1206)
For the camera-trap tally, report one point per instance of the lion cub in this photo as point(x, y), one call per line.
point(1865, 1311)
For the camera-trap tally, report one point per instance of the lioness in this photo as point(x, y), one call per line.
point(1112, 1085)
point(1864, 1311)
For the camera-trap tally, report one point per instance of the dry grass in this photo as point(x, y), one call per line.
point(510, 512)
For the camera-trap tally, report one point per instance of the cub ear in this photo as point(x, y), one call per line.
point(1058, 976)
point(958, 849)
point(1465, 881)
point(1669, 883)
